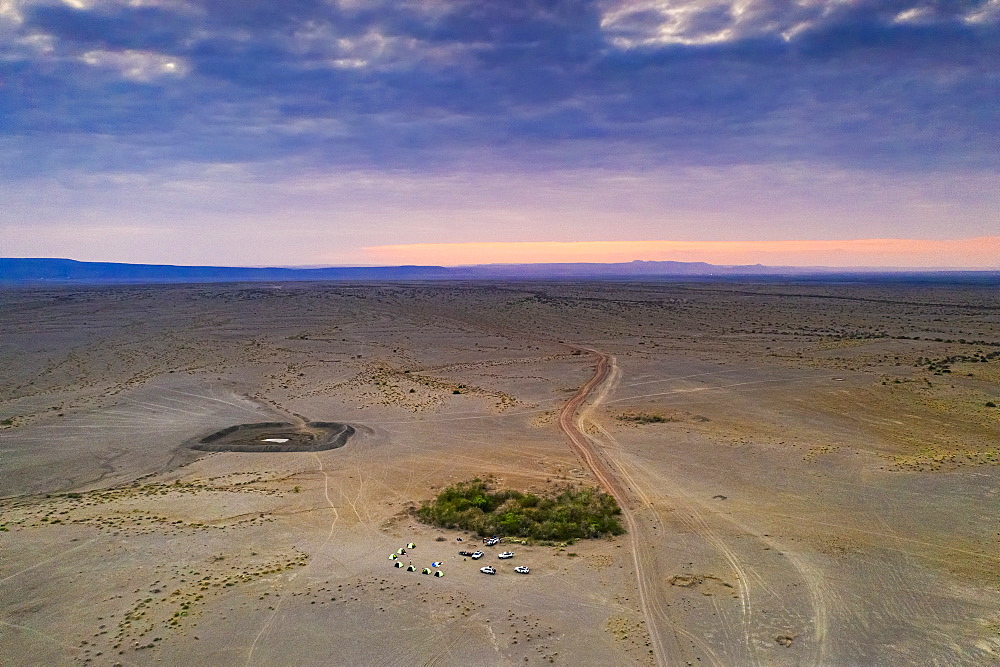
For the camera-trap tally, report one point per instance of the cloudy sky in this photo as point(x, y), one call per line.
point(308, 132)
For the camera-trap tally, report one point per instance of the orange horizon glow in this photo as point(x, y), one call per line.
point(980, 253)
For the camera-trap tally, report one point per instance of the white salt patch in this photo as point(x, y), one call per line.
point(275, 440)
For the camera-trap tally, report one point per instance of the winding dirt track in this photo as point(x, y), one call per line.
point(570, 421)
point(643, 495)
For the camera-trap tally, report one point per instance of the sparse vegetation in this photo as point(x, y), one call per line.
point(570, 513)
point(943, 364)
point(643, 418)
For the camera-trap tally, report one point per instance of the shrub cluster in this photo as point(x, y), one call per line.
point(943, 364)
point(644, 418)
point(571, 513)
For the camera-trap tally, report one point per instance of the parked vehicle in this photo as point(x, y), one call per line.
point(488, 570)
point(506, 554)
point(464, 553)
point(521, 569)
point(476, 555)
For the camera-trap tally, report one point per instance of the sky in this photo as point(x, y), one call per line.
point(333, 132)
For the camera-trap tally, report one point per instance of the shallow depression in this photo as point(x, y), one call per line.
point(276, 437)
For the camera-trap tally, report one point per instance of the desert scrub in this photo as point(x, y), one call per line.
point(567, 514)
point(643, 418)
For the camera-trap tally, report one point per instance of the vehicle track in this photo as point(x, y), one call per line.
point(570, 421)
point(630, 486)
point(749, 582)
point(329, 536)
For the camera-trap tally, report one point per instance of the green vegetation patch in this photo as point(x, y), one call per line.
point(643, 418)
point(570, 513)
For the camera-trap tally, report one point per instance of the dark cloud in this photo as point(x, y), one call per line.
point(264, 14)
point(118, 28)
point(531, 84)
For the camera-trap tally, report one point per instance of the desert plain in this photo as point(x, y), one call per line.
point(809, 473)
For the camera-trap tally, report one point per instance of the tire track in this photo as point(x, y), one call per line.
point(820, 597)
point(570, 421)
point(656, 604)
point(333, 525)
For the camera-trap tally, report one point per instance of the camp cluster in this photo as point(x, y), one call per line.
point(411, 567)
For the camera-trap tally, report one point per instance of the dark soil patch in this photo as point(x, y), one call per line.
point(308, 437)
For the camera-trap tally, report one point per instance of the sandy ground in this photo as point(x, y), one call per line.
point(811, 492)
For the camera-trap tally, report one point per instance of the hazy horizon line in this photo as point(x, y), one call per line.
point(981, 252)
point(859, 267)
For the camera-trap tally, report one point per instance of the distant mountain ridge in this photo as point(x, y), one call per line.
point(54, 270)
point(20, 270)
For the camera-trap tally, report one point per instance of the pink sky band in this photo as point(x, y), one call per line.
point(973, 253)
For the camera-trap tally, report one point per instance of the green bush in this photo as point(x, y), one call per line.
point(570, 513)
point(643, 418)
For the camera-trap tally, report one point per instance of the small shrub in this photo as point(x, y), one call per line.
point(644, 418)
point(990, 404)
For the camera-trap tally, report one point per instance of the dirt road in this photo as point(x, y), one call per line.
point(650, 501)
point(570, 421)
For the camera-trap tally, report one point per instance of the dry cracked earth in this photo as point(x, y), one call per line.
point(810, 473)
